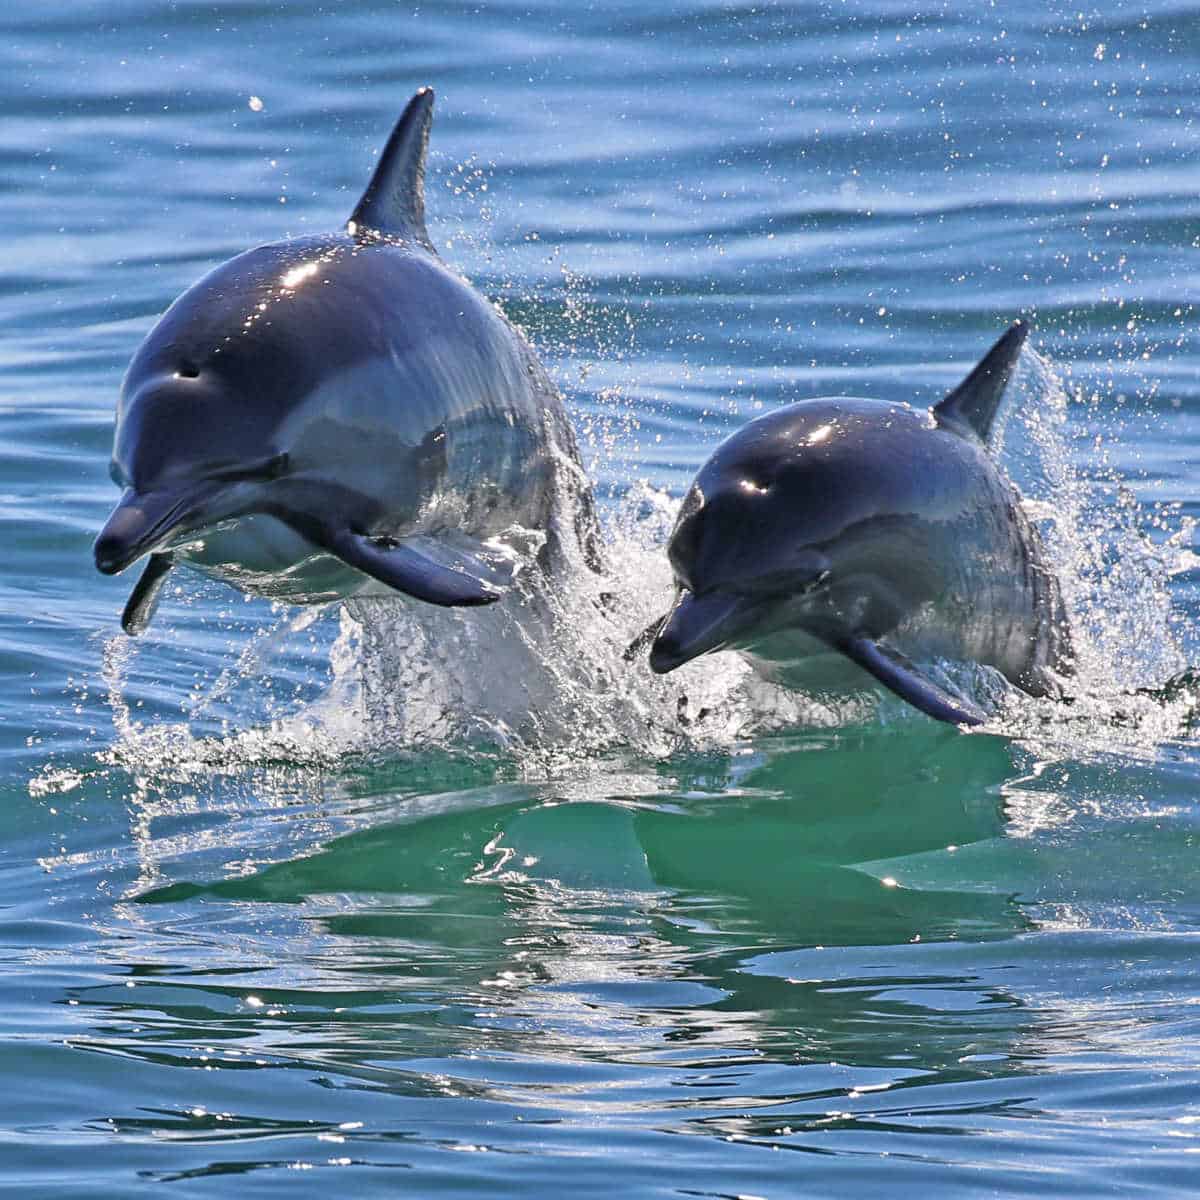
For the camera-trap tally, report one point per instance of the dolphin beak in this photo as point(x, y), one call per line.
point(700, 624)
point(141, 522)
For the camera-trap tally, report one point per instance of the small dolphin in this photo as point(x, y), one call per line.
point(843, 531)
point(329, 414)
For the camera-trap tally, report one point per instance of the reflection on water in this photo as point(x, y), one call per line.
point(432, 950)
point(510, 970)
point(773, 948)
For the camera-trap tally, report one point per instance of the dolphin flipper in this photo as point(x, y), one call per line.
point(394, 201)
point(973, 404)
point(899, 675)
point(143, 600)
point(407, 569)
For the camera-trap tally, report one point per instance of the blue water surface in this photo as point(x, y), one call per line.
point(247, 949)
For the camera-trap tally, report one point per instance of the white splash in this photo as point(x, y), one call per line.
point(1115, 580)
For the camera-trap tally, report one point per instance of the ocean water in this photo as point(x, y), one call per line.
point(308, 900)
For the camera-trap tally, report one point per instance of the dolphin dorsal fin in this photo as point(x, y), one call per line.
point(972, 405)
point(394, 201)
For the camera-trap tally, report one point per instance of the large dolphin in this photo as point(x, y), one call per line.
point(329, 414)
point(838, 536)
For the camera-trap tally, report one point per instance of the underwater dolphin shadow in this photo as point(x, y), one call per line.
point(778, 840)
point(644, 905)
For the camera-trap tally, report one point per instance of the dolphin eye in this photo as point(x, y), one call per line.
point(187, 370)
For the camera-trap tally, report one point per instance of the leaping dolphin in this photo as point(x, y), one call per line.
point(328, 414)
point(834, 537)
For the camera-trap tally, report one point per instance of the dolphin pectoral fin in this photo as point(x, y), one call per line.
point(973, 404)
point(401, 565)
point(899, 675)
point(143, 600)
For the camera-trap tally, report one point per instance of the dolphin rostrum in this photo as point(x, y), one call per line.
point(843, 531)
point(342, 412)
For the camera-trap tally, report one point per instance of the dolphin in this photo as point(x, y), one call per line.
point(837, 541)
point(336, 414)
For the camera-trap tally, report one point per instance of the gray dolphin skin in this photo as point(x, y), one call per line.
point(834, 541)
point(332, 414)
